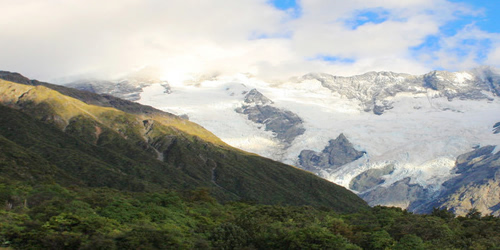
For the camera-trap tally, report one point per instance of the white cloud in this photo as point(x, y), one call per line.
point(469, 47)
point(55, 38)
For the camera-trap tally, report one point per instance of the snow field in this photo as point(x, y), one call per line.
point(422, 135)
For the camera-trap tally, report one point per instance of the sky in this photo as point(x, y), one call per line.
point(58, 40)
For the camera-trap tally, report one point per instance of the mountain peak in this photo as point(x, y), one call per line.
point(255, 97)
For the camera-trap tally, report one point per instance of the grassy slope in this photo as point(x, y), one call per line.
point(103, 146)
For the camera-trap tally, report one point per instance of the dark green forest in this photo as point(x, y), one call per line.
point(49, 216)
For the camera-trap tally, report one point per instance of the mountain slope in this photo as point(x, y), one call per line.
point(146, 150)
point(117, 103)
point(401, 134)
point(411, 128)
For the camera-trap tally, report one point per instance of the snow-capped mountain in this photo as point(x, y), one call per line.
point(393, 138)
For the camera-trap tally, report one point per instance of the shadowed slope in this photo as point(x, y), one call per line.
point(142, 151)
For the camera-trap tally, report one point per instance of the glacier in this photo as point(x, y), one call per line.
point(418, 124)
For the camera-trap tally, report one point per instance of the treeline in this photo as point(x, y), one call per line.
point(53, 217)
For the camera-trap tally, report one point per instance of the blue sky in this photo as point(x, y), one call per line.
point(484, 15)
point(271, 39)
point(489, 20)
point(285, 4)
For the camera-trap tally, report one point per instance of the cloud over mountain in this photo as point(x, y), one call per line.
point(50, 39)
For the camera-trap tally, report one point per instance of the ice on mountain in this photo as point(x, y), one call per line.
point(422, 127)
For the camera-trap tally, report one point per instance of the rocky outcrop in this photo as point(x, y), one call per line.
point(466, 161)
point(257, 98)
point(338, 152)
point(370, 178)
point(400, 194)
point(496, 128)
point(285, 124)
point(476, 185)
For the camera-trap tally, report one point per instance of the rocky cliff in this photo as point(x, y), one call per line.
point(338, 153)
point(283, 123)
point(476, 184)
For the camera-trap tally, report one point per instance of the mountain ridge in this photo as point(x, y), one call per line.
point(121, 150)
point(374, 89)
point(411, 128)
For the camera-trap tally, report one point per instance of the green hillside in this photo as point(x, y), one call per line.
point(148, 150)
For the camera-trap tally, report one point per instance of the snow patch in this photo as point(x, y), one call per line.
point(461, 77)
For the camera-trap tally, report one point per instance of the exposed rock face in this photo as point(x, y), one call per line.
point(339, 152)
point(446, 83)
point(401, 194)
point(255, 97)
point(370, 178)
point(375, 90)
point(285, 124)
point(466, 161)
point(496, 128)
point(372, 89)
point(477, 184)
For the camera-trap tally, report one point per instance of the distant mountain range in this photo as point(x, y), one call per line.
point(403, 140)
